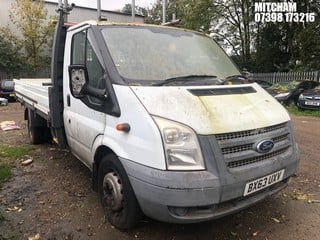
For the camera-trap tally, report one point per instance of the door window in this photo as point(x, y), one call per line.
point(84, 52)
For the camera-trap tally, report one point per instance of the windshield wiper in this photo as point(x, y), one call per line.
point(182, 79)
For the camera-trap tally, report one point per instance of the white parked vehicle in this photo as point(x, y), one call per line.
point(3, 101)
point(144, 107)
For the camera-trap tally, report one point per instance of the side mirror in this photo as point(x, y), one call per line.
point(79, 84)
point(78, 78)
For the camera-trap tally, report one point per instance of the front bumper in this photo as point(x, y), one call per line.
point(232, 160)
point(188, 197)
point(302, 104)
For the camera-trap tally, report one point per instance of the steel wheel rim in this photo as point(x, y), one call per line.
point(113, 191)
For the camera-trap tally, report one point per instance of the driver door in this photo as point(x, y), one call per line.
point(84, 118)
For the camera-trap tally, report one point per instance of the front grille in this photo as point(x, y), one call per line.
point(239, 148)
point(313, 98)
point(252, 160)
point(242, 134)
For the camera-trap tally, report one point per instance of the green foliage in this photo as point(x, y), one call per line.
point(7, 155)
point(195, 14)
point(5, 173)
point(10, 59)
point(30, 18)
point(234, 27)
point(272, 53)
point(227, 21)
point(259, 47)
point(14, 152)
point(311, 113)
point(287, 47)
point(309, 40)
point(155, 13)
point(138, 10)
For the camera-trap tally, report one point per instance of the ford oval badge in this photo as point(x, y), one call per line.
point(264, 146)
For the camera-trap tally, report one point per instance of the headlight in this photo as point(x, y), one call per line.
point(181, 146)
point(282, 95)
point(301, 96)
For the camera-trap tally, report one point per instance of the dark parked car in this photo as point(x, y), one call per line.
point(310, 99)
point(287, 93)
point(7, 89)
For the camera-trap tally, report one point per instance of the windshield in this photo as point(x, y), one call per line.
point(7, 84)
point(154, 53)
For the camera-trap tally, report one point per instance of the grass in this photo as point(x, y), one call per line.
point(14, 152)
point(311, 113)
point(5, 173)
point(8, 155)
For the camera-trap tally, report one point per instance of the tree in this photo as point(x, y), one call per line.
point(195, 14)
point(234, 28)
point(30, 18)
point(310, 47)
point(290, 46)
point(10, 58)
point(279, 46)
point(229, 22)
point(138, 10)
point(271, 53)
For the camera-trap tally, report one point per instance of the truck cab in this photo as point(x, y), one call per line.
point(146, 109)
point(152, 99)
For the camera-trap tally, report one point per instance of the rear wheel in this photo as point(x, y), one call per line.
point(38, 133)
point(35, 135)
point(116, 194)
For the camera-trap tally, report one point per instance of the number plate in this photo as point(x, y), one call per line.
point(11, 95)
point(263, 182)
point(312, 103)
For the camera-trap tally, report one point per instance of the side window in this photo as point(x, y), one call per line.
point(78, 48)
point(94, 67)
point(84, 52)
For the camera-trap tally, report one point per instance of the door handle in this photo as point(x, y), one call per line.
point(68, 100)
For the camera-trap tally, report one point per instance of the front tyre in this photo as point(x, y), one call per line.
point(116, 194)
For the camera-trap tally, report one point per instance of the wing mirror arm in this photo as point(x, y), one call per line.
point(94, 92)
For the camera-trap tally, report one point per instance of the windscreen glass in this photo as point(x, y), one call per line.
point(154, 53)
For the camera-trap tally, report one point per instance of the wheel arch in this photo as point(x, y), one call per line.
point(100, 152)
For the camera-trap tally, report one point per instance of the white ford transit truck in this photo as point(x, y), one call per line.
point(145, 109)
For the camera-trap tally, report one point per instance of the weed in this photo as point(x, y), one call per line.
point(8, 155)
point(5, 173)
point(14, 152)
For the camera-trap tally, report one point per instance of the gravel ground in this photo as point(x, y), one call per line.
point(52, 198)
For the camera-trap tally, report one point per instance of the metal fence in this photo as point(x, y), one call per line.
point(5, 76)
point(286, 76)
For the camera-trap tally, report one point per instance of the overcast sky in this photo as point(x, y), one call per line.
point(108, 4)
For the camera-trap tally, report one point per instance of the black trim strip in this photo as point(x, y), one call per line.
point(222, 91)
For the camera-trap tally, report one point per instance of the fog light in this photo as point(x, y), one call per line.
point(179, 211)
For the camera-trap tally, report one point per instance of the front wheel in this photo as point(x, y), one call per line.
point(116, 194)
